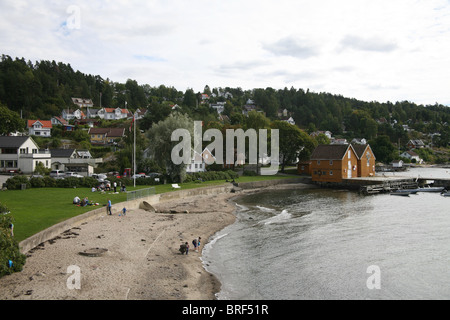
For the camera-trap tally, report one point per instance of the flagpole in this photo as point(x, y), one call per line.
point(134, 148)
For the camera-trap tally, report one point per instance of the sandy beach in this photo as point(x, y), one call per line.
point(142, 261)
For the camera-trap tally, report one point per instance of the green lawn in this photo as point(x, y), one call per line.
point(37, 209)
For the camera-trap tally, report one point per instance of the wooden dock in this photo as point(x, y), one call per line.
point(385, 184)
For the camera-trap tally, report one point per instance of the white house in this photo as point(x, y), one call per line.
point(113, 114)
point(289, 120)
point(83, 103)
point(22, 154)
point(326, 133)
point(70, 114)
point(72, 160)
point(200, 161)
point(397, 163)
point(40, 128)
point(219, 107)
point(359, 141)
point(411, 155)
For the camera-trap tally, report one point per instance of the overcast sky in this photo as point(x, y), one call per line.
point(370, 50)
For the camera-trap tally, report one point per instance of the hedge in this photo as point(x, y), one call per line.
point(211, 176)
point(15, 183)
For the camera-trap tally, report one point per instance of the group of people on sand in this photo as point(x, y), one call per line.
point(184, 248)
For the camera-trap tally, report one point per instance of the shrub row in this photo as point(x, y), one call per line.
point(211, 176)
point(16, 182)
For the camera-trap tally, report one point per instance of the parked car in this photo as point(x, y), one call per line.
point(99, 176)
point(73, 175)
point(57, 174)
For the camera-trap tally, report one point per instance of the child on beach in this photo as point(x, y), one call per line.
point(124, 212)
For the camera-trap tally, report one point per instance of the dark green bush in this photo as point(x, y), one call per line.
point(37, 183)
point(49, 182)
point(15, 183)
point(9, 248)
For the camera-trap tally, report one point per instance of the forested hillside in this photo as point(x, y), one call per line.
point(43, 89)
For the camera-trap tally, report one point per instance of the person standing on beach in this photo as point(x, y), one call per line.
point(108, 207)
point(187, 247)
point(194, 242)
point(198, 243)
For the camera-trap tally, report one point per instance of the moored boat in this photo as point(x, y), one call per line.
point(404, 193)
point(431, 189)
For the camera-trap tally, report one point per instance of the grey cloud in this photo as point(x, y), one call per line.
point(374, 44)
point(292, 47)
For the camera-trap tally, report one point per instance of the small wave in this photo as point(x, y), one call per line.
point(241, 207)
point(264, 209)
point(213, 241)
point(283, 216)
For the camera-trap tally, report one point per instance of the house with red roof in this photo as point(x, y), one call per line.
point(41, 128)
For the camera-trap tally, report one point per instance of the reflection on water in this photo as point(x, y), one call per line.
point(319, 243)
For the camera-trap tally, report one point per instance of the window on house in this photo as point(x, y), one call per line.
point(331, 162)
point(318, 162)
point(331, 173)
point(349, 154)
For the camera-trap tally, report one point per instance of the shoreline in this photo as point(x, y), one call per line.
point(142, 261)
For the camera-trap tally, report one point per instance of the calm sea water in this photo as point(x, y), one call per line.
point(322, 244)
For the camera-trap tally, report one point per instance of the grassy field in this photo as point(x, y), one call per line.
point(35, 210)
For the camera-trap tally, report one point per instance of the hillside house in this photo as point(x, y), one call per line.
point(317, 133)
point(58, 121)
point(114, 114)
point(289, 120)
point(41, 128)
point(71, 114)
point(412, 156)
point(104, 136)
point(333, 163)
point(366, 160)
point(83, 103)
point(415, 144)
point(22, 154)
